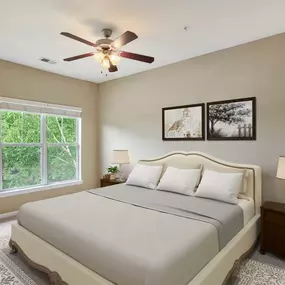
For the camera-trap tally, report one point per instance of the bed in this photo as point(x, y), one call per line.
point(128, 235)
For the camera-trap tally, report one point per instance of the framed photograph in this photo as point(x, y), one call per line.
point(232, 119)
point(183, 122)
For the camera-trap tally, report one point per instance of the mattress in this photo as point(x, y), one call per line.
point(248, 209)
point(134, 236)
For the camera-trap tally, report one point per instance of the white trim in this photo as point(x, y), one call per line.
point(43, 150)
point(20, 144)
point(61, 144)
point(16, 105)
point(8, 215)
point(39, 104)
point(79, 149)
point(14, 192)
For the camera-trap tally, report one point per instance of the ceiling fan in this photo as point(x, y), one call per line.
point(108, 51)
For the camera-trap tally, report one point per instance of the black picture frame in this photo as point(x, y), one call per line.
point(186, 138)
point(244, 131)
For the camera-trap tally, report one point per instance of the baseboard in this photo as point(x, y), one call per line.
point(9, 215)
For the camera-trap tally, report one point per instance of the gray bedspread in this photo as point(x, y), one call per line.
point(134, 236)
point(227, 218)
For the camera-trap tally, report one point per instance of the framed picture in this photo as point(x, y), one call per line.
point(232, 119)
point(183, 122)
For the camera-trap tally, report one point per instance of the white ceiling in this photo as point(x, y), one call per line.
point(30, 29)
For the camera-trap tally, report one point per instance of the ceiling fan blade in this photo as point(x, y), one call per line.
point(113, 68)
point(135, 56)
point(79, 56)
point(71, 36)
point(124, 39)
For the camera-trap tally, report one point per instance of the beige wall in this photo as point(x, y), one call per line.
point(131, 107)
point(17, 81)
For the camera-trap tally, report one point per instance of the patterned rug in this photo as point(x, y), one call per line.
point(13, 271)
point(252, 272)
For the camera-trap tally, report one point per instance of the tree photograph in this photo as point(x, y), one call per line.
point(231, 119)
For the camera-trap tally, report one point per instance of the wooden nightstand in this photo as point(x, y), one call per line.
point(273, 228)
point(105, 182)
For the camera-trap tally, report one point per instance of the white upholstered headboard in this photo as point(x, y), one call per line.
point(253, 172)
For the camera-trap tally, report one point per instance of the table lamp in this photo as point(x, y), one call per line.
point(120, 156)
point(281, 168)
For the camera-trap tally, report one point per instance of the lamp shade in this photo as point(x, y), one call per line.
point(120, 156)
point(281, 168)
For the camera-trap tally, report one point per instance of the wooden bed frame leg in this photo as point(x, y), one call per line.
point(54, 277)
point(13, 247)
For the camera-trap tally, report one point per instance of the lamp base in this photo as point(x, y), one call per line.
point(120, 174)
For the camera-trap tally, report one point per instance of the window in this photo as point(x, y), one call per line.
point(38, 149)
point(61, 149)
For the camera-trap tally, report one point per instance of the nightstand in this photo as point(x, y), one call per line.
point(105, 182)
point(273, 228)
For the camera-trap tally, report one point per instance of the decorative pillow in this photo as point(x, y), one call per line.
point(245, 173)
point(243, 189)
point(220, 186)
point(145, 176)
point(152, 163)
point(178, 180)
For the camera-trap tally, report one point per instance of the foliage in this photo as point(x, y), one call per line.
point(231, 113)
point(22, 164)
point(218, 133)
point(113, 169)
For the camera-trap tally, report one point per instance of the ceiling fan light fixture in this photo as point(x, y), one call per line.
point(115, 58)
point(105, 62)
point(99, 56)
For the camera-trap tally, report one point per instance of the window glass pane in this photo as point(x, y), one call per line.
point(21, 166)
point(69, 130)
point(54, 129)
point(61, 163)
point(17, 127)
point(31, 128)
point(11, 127)
point(61, 130)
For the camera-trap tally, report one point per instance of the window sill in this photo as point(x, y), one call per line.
point(15, 192)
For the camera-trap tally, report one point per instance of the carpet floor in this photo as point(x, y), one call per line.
point(255, 270)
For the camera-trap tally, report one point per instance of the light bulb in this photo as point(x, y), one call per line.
point(99, 56)
point(105, 62)
point(115, 59)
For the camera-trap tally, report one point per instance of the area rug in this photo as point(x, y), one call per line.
point(252, 272)
point(13, 271)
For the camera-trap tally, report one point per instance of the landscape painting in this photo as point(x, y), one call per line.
point(232, 119)
point(183, 122)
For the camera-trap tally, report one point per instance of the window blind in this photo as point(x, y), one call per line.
point(39, 107)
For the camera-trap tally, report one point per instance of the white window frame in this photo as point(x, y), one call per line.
point(43, 160)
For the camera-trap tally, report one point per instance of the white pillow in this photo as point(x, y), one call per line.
point(178, 180)
point(145, 176)
point(220, 186)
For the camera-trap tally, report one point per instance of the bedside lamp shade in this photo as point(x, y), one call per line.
point(120, 156)
point(281, 168)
